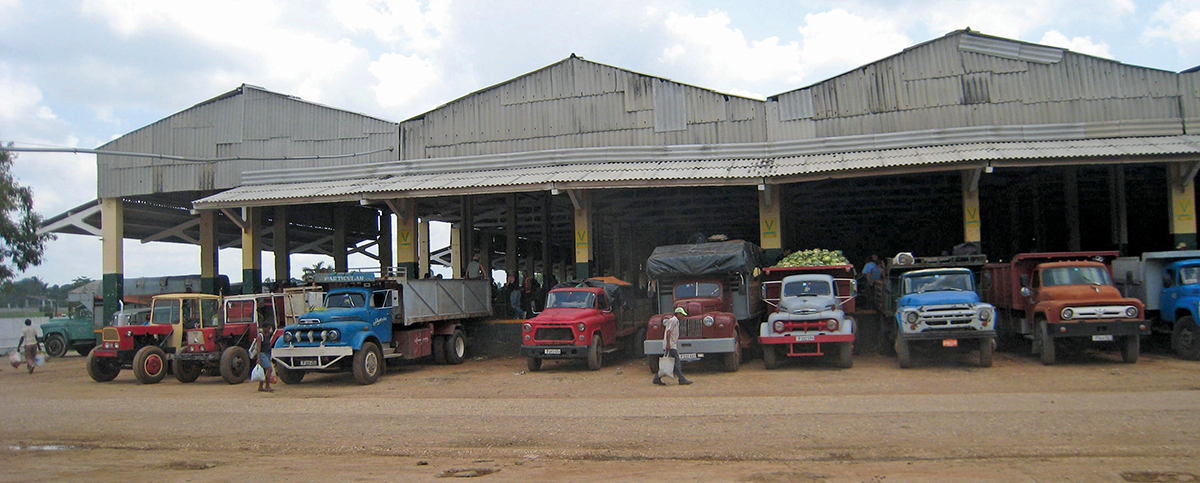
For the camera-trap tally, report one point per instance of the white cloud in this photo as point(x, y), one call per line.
point(402, 79)
point(840, 38)
point(1083, 45)
point(396, 20)
point(21, 100)
point(1177, 21)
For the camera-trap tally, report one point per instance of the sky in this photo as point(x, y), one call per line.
point(81, 73)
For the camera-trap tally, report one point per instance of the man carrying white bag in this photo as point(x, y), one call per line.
point(670, 360)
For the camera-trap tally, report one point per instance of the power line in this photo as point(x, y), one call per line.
point(191, 159)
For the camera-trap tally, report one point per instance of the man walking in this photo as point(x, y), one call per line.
point(29, 343)
point(671, 346)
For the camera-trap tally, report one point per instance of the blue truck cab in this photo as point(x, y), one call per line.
point(935, 301)
point(1168, 283)
point(348, 332)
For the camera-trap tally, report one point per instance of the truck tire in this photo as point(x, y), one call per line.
point(639, 343)
point(1130, 348)
point(770, 357)
point(84, 350)
point(595, 355)
point(1185, 339)
point(150, 365)
point(289, 376)
point(102, 369)
point(845, 355)
point(56, 346)
point(903, 357)
point(439, 350)
point(187, 372)
point(732, 360)
point(534, 364)
point(235, 365)
point(1046, 343)
point(987, 351)
point(652, 363)
point(368, 364)
point(456, 348)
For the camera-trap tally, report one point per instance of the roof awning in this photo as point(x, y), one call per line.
point(775, 163)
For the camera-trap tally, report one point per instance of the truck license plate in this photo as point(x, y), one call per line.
point(1102, 338)
point(690, 357)
point(552, 352)
point(308, 362)
point(949, 342)
point(806, 338)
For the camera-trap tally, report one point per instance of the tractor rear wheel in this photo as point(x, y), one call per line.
point(150, 365)
point(235, 365)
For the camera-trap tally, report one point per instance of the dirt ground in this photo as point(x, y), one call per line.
point(1090, 418)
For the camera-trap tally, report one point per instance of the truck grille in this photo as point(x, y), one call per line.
point(554, 333)
point(691, 329)
point(947, 315)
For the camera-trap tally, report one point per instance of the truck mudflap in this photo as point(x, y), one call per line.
point(556, 351)
point(310, 358)
point(947, 334)
point(694, 346)
point(1099, 330)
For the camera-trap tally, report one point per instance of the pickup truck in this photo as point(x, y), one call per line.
point(810, 316)
point(583, 320)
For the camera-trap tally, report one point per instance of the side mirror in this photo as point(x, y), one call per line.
point(1025, 292)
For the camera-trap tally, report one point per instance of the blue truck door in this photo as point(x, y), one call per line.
point(1169, 299)
point(381, 314)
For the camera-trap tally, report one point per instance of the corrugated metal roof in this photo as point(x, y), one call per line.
point(694, 172)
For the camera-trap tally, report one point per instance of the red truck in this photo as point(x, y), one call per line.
point(1057, 298)
point(810, 317)
point(583, 320)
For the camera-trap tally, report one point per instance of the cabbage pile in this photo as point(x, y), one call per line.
point(816, 257)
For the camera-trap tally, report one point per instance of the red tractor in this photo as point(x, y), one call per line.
point(146, 348)
point(226, 347)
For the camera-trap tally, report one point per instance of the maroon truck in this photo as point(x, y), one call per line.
point(583, 320)
point(1056, 298)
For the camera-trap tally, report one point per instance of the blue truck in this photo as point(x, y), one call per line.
point(366, 320)
point(1168, 283)
point(935, 301)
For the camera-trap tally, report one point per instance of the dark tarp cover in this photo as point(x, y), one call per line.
point(704, 259)
point(618, 294)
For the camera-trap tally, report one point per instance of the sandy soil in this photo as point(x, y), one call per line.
point(1088, 419)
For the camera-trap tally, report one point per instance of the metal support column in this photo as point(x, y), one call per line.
point(423, 247)
point(251, 250)
point(457, 267)
point(1071, 205)
point(209, 252)
point(341, 255)
point(283, 261)
point(972, 225)
point(769, 232)
point(383, 242)
point(112, 219)
point(1183, 204)
point(510, 237)
point(583, 234)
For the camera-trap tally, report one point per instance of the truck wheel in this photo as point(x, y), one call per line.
point(595, 356)
point(187, 372)
point(845, 355)
point(56, 346)
point(652, 363)
point(534, 364)
point(456, 348)
point(1130, 348)
point(102, 369)
point(439, 349)
point(639, 343)
point(902, 353)
point(289, 376)
point(987, 350)
point(770, 357)
point(732, 360)
point(1047, 343)
point(1185, 339)
point(235, 365)
point(84, 350)
point(368, 364)
point(150, 365)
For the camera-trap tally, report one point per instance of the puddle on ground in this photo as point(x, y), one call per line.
point(468, 473)
point(40, 447)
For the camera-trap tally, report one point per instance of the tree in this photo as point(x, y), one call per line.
point(21, 246)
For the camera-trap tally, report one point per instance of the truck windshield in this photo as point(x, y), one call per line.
point(697, 289)
point(1189, 275)
point(806, 288)
point(165, 312)
point(959, 282)
point(571, 300)
point(1075, 276)
point(345, 300)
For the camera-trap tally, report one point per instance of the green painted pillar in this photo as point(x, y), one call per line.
point(112, 232)
point(251, 251)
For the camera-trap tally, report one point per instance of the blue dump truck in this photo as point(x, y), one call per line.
point(367, 320)
point(934, 301)
point(1168, 283)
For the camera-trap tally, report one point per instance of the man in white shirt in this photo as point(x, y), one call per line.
point(671, 345)
point(29, 343)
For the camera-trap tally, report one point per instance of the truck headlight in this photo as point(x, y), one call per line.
point(1067, 313)
point(1131, 311)
point(288, 337)
point(332, 336)
point(831, 324)
point(985, 315)
point(582, 327)
point(527, 327)
point(708, 321)
point(911, 317)
point(778, 326)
